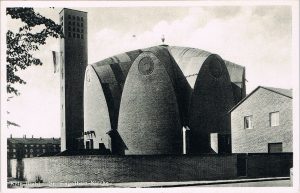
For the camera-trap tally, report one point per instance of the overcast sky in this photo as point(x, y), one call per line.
point(257, 37)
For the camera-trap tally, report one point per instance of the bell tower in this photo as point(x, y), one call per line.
point(73, 49)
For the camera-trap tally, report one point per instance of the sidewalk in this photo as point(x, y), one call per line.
point(146, 184)
point(193, 183)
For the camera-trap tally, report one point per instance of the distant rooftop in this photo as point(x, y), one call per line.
point(34, 140)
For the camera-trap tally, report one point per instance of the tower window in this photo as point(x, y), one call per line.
point(69, 28)
point(70, 34)
point(81, 36)
point(78, 36)
point(81, 30)
point(78, 30)
point(81, 24)
point(74, 35)
point(78, 18)
point(78, 24)
point(81, 18)
point(69, 16)
point(248, 122)
point(69, 23)
point(73, 22)
point(73, 17)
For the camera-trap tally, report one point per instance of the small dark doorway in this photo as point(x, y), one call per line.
point(224, 141)
point(89, 144)
point(275, 148)
point(242, 165)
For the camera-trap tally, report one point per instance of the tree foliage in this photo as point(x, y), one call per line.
point(22, 44)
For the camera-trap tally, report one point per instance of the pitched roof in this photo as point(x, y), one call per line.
point(285, 92)
point(34, 140)
point(281, 91)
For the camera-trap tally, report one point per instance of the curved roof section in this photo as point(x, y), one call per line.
point(178, 61)
point(112, 73)
point(191, 60)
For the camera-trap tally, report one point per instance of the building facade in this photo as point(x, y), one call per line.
point(140, 102)
point(18, 148)
point(262, 122)
point(73, 65)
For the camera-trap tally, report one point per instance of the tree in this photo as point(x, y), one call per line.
point(22, 44)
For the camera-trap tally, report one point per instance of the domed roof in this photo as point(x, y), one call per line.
point(191, 60)
point(158, 75)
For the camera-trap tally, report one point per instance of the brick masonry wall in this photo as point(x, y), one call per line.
point(130, 168)
point(75, 60)
point(149, 119)
point(269, 165)
point(211, 99)
point(256, 140)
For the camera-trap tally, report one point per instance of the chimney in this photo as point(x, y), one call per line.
point(24, 136)
point(40, 137)
point(31, 136)
point(10, 135)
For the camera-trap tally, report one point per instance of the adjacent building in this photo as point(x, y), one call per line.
point(18, 148)
point(262, 122)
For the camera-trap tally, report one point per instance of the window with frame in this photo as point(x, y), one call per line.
point(274, 119)
point(275, 147)
point(248, 122)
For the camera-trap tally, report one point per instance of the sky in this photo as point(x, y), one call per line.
point(257, 37)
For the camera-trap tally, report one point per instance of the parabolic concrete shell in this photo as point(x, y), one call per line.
point(212, 98)
point(238, 78)
point(149, 119)
point(191, 60)
point(183, 90)
point(96, 115)
point(112, 73)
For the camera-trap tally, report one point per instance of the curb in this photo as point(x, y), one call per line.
point(209, 182)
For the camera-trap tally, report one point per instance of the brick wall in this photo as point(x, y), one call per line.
point(143, 168)
point(256, 140)
point(149, 118)
point(212, 98)
point(74, 50)
point(130, 168)
point(269, 165)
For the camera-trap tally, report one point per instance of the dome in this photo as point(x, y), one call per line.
point(149, 119)
point(137, 102)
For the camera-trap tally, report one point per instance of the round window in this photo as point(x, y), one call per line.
point(146, 66)
point(215, 68)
